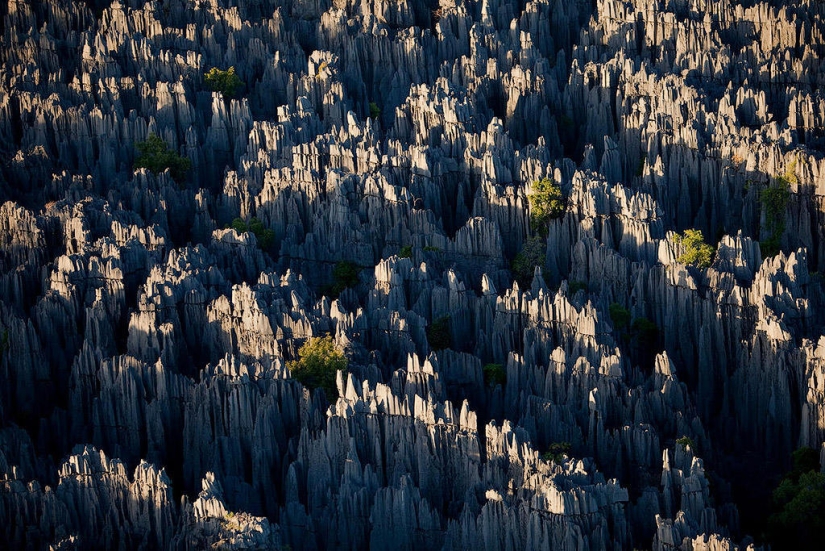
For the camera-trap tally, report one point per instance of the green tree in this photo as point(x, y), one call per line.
point(154, 154)
point(546, 203)
point(556, 451)
point(439, 335)
point(264, 236)
point(405, 252)
point(375, 111)
point(799, 518)
point(697, 252)
point(685, 442)
point(494, 374)
point(620, 316)
point(775, 202)
point(4, 343)
point(644, 341)
point(319, 361)
point(532, 254)
point(239, 225)
point(225, 82)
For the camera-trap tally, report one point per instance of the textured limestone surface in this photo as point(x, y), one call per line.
point(610, 397)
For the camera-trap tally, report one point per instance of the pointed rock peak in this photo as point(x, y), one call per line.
point(487, 286)
point(664, 365)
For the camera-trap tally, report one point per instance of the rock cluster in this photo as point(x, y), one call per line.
point(621, 399)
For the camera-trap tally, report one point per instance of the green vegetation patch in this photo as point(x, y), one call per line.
point(775, 200)
point(799, 505)
point(532, 254)
point(226, 82)
point(375, 111)
point(494, 374)
point(546, 203)
point(154, 154)
point(319, 360)
point(620, 316)
point(697, 252)
point(264, 236)
point(557, 451)
point(439, 335)
point(686, 442)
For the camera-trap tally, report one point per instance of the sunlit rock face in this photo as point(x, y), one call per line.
point(605, 393)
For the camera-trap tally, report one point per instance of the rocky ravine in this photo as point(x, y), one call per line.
point(145, 400)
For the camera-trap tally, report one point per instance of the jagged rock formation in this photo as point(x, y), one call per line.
point(145, 398)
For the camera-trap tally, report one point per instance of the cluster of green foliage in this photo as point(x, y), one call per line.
point(154, 154)
point(431, 249)
point(264, 236)
point(620, 316)
point(546, 203)
point(405, 252)
point(775, 201)
point(494, 374)
point(4, 343)
point(557, 451)
point(225, 82)
point(686, 442)
point(645, 333)
point(644, 342)
point(375, 111)
point(799, 518)
point(697, 252)
point(344, 275)
point(319, 361)
point(575, 286)
point(532, 254)
point(641, 335)
point(439, 335)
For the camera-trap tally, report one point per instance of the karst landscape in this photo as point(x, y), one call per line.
point(412, 274)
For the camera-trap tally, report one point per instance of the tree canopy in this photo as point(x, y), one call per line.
point(154, 154)
point(226, 82)
point(319, 360)
point(546, 203)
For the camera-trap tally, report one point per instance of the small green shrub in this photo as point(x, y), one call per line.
point(154, 155)
point(575, 286)
point(532, 254)
point(645, 332)
point(430, 249)
point(620, 316)
point(4, 343)
point(697, 252)
point(775, 202)
point(494, 374)
point(344, 275)
point(557, 451)
point(375, 111)
point(439, 335)
point(239, 225)
point(686, 442)
point(644, 342)
point(546, 203)
point(225, 82)
point(319, 361)
point(405, 252)
point(264, 236)
point(798, 521)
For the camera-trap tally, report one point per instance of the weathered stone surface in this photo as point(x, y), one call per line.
point(145, 341)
